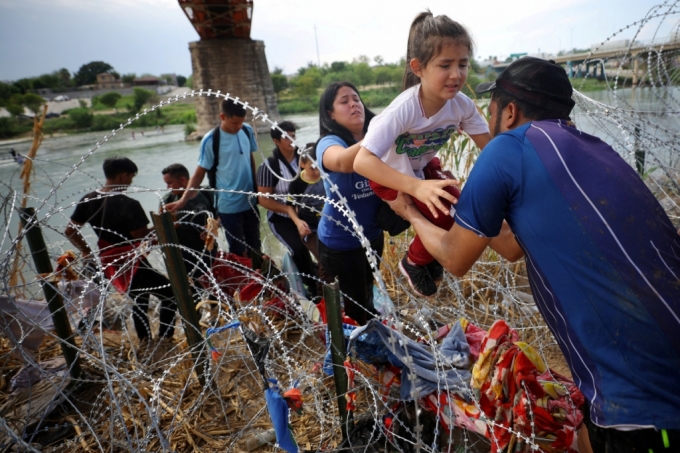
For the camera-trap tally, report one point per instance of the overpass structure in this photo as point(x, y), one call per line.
point(579, 65)
point(592, 64)
point(226, 58)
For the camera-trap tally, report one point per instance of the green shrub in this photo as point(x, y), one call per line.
point(82, 118)
point(11, 127)
point(189, 128)
point(105, 123)
point(298, 106)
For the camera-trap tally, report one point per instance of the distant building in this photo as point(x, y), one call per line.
point(107, 80)
point(170, 79)
point(147, 81)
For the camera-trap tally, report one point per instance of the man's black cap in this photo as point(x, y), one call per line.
point(541, 83)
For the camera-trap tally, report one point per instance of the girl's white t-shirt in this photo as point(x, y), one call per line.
point(405, 140)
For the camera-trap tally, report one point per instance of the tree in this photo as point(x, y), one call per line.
point(365, 73)
point(87, 74)
point(379, 60)
point(279, 81)
point(128, 78)
point(33, 102)
point(81, 117)
point(190, 82)
point(15, 104)
point(141, 97)
point(338, 66)
point(181, 80)
point(383, 75)
point(109, 99)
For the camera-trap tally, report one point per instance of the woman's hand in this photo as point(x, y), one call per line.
point(430, 191)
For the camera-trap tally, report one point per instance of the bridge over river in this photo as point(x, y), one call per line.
point(226, 58)
point(626, 53)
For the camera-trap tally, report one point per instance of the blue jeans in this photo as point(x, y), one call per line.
point(242, 229)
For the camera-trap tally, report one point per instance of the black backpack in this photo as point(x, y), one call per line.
point(212, 173)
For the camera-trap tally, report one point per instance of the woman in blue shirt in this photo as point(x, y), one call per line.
point(343, 122)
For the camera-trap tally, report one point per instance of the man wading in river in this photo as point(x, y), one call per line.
point(602, 255)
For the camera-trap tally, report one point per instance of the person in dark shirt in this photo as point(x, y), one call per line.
point(119, 223)
point(191, 219)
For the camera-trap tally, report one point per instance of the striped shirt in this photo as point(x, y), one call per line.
point(603, 263)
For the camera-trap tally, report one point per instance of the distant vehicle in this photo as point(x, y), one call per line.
point(52, 115)
point(60, 98)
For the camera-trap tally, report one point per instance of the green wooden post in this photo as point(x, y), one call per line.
point(174, 262)
point(43, 265)
point(331, 295)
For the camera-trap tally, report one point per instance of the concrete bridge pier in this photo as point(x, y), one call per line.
point(235, 66)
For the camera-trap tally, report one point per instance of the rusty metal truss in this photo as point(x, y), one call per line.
point(219, 19)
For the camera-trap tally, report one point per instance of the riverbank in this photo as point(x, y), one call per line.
point(95, 116)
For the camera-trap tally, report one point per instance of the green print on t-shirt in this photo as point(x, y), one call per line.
point(415, 145)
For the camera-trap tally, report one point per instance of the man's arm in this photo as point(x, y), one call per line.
point(194, 183)
point(72, 233)
point(459, 248)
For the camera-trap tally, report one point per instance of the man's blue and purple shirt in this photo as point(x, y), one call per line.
point(603, 261)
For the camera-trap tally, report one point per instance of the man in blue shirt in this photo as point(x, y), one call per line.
point(602, 256)
point(234, 178)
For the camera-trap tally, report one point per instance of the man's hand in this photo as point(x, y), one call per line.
point(175, 205)
point(303, 228)
point(404, 206)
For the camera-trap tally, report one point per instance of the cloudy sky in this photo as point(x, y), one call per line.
point(152, 36)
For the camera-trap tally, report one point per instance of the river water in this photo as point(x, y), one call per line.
point(53, 193)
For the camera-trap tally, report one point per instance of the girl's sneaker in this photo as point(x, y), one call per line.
point(418, 277)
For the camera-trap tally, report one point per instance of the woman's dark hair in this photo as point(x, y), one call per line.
point(327, 125)
point(113, 166)
point(426, 38)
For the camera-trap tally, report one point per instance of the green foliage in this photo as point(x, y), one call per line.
point(15, 109)
point(189, 128)
point(190, 82)
point(87, 74)
point(128, 78)
point(181, 80)
point(379, 97)
point(469, 88)
point(7, 90)
point(364, 73)
point(279, 81)
point(306, 85)
point(11, 127)
point(82, 118)
point(33, 102)
point(109, 99)
point(141, 97)
point(287, 107)
point(105, 123)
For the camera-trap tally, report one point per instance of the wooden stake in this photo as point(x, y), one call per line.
point(167, 237)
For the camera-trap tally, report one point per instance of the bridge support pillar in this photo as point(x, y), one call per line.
point(235, 66)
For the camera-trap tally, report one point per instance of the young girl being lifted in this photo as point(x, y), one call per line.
point(398, 152)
